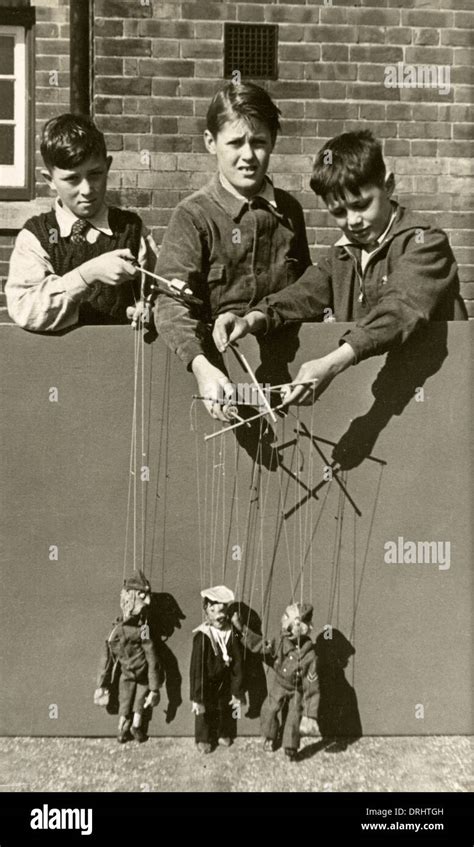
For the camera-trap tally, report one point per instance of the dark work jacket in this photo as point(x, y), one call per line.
point(208, 669)
point(409, 280)
point(231, 253)
point(135, 654)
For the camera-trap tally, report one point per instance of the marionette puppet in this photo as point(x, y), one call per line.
point(216, 673)
point(295, 688)
point(129, 652)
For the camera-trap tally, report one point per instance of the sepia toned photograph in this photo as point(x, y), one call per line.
point(236, 328)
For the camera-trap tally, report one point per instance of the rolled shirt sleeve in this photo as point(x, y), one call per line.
point(41, 301)
point(37, 298)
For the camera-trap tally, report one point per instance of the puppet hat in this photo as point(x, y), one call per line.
point(219, 594)
point(303, 611)
point(137, 582)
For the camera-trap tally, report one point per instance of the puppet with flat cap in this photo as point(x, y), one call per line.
point(295, 686)
point(216, 673)
point(129, 650)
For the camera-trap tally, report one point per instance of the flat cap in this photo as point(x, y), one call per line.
point(218, 594)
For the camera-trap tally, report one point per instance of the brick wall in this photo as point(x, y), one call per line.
point(158, 62)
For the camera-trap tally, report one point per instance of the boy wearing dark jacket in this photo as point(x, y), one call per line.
point(391, 272)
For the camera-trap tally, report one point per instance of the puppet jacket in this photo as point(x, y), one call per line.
point(208, 670)
point(294, 666)
point(130, 646)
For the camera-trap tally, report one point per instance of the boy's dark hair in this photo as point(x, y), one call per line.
point(246, 100)
point(68, 140)
point(355, 160)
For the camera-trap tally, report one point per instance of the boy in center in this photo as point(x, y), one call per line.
point(234, 241)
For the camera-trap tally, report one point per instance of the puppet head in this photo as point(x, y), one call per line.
point(135, 595)
point(296, 620)
point(216, 605)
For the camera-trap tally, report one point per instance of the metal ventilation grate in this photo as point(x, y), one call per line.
point(251, 49)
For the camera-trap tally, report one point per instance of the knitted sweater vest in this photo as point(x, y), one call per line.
point(105, 304)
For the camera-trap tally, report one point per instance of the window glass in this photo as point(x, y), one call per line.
point(7, 146)
point(7, 99)
point(7, 46)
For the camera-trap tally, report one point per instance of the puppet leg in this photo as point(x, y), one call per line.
point(291, 732)
point(271, 709)
point(138, 730)
point(126, 697)
point(227, 724)
point(206, 725)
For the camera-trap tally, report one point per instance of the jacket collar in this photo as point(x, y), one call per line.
point(403, 220)
point(234, 203)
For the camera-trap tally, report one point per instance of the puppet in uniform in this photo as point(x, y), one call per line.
point(130, 649)
point(216, 672)
point(295, 687)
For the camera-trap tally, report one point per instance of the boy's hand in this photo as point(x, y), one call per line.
point(319, 373)
point(229, 328)
point(112, 268)
point(214, 386)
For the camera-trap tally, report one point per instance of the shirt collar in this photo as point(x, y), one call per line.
point(233, 202)
point(266, 191)
point(344, 241)
point(66, 219)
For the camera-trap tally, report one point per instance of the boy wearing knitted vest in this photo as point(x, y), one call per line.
point(76, 264)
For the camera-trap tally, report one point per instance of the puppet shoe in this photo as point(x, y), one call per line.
point(309, 726)
point(291, 753)
point(204, 747)
point(138, 734)
point(268, 745)
point(224, 741)
point(123, 734)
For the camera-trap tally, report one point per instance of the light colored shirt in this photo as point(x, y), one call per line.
point(40, 300)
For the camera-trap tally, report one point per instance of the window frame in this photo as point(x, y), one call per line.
point(13, 20)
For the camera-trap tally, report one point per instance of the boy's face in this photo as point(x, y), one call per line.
point(242, 153)
point(363, 217)
point(81, 189)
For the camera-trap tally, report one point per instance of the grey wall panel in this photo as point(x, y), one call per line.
point(65, 476)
